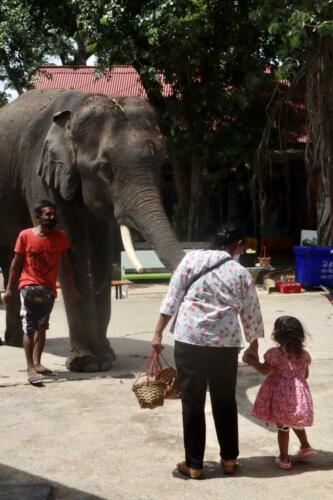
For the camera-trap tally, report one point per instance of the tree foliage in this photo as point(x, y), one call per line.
point(31, 32)
point(209, 54)
point(213, 55)
point(302, 35)
point(21, 47)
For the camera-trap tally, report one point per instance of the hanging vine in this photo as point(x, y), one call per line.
point(319, 150)
point(263, 158)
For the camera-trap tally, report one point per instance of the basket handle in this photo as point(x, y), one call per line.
point(263, 252)
point(153, 366)
point(161, 357)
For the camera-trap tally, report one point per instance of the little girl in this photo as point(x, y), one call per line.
point(284, 399)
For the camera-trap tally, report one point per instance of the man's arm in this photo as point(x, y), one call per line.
point(68, 270)
point(14, 273)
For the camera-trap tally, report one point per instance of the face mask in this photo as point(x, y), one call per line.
point(49, 223)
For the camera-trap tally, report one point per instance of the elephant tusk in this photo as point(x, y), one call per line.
point(129, 249)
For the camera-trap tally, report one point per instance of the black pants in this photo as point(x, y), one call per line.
point(216, 367)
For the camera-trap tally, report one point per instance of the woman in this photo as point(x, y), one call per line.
point(208, 291)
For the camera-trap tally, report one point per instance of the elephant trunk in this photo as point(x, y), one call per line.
point(148, 217)
point(164, 242)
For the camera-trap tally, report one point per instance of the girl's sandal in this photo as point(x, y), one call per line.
point(229, 466)
point(304, 453)
point(283, 465)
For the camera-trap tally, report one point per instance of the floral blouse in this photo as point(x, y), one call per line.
point(208, 314)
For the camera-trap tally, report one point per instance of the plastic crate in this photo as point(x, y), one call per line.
point(288, 287)
point(314, 265)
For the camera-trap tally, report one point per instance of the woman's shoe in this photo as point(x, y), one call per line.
point(304, 453)
point(229, 466)
point(283, 465)
point(189, 471)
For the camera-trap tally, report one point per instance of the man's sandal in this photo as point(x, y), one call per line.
point(35, 379)
point(229, 466)
point(189, 471)
point(46, 372)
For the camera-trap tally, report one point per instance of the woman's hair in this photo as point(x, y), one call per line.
point(226, 235)
point(38, 209)
point(289, 333)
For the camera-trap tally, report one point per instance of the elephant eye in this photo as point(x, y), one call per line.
point(104, 171)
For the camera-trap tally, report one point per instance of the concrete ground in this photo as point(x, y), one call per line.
point(87, 436)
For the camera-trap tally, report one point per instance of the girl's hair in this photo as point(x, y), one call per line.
point(226, 235)
point(289, 333)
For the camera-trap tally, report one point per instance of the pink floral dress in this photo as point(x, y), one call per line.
point(284, 398)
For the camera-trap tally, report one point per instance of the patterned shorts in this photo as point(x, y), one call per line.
point(34, 316)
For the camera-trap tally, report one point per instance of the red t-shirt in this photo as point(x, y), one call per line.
point(42, 255)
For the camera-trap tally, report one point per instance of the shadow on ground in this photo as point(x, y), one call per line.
point(16, 484)
point(131, 355)
point(264, 467)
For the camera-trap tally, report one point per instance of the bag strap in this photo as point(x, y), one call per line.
point(205, 271)
point(195, 278)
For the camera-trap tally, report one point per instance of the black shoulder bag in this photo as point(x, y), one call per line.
point(195, 278)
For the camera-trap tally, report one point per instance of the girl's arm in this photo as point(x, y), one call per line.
point(263, 368)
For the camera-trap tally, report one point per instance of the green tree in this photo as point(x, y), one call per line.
point(31, 31)
point(21, 48)
point(301, 34)
point(209, 53)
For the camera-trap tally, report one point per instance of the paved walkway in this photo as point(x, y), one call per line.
point(87, 436)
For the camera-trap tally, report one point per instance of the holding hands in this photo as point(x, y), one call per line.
point(251, 352)
point(251, 360)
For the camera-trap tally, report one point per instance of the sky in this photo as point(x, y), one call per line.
point(12, 94)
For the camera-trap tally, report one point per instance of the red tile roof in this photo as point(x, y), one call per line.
point(117, 81)
point(122, 81)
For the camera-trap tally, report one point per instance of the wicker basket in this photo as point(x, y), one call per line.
point(264, 261)
point(169, 377)
point(149, 393)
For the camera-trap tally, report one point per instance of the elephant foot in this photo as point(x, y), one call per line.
point(105, 352)
point(87, 363)
point(109, 354)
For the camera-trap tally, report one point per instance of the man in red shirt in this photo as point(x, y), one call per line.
point(38, 253)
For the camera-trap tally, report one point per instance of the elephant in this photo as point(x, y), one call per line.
point(98, 159)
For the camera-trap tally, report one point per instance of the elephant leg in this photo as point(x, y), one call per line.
point(90, 350)
point(103, 313)
point(13, 332)
point(88, 319)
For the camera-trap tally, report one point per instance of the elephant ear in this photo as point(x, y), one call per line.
point(57, 167)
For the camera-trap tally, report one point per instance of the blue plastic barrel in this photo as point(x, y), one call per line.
point(314, 265)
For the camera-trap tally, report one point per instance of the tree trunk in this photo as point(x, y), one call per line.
point(198, 198)
point(13, 75)
point(319, 154)
point(181, 176)
point(81, 56)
